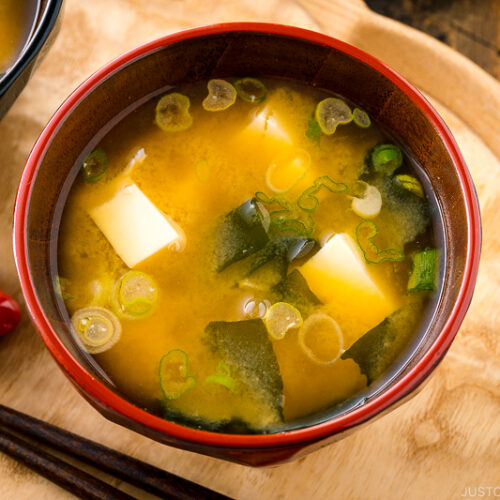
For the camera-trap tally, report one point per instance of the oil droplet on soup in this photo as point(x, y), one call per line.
point(263, 256)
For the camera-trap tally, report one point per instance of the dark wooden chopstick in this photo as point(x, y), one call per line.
point(68, 477)
point(131, 470)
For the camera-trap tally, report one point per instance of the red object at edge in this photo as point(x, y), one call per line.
point(10, 314)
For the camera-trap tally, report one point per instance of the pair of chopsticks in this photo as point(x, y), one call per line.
point(78, 482)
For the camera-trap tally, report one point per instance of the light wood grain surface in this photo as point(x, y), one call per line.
point(444, 440)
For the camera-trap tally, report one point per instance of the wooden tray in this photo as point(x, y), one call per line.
point(443, 441)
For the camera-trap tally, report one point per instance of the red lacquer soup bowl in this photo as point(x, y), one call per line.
point(262, 50)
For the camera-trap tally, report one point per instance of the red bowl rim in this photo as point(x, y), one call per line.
point(108, 398)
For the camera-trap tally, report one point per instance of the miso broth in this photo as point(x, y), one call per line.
point(16, 20)
point(241, 254)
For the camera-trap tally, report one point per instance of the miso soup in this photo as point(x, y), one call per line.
point(239, 254)
point(16, 21)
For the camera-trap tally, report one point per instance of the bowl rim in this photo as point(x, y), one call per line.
point(34, 44)
point(108, 398)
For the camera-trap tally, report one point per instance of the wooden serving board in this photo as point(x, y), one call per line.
point(444, 440)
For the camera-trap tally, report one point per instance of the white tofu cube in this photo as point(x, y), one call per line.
point(267, 124)
point(133, 225)
point(338, 275)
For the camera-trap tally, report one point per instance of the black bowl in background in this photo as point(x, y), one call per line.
point(44, 29)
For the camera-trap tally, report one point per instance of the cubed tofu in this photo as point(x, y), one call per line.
point(287, 170)
point(339, 277)
point(134, 226)
point(266, 132)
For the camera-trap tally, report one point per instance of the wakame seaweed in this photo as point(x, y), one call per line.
point(294, 290)
point(245, 347)
point(240, 234)
point(283, 248)
point(376, 350)
point(232, 426)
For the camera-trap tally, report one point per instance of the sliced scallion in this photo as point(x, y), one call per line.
point(313, 131)
point(369, 204)
point(285, 217)
point(134, 295)
point(222, 377)
point(330, 113)
point(366, 231)
point(287, 170)
point(102, 290)
point(95, 166)
point(321, 339)
point(174, 374)
point(97, 328)
point(172, 113)
point(409, 183)
point(280, 318)
point(386, 158)
point(221, 95)
point(251, 90)
point(202, 170)
point(301, 227)
point(309, 202)
point(361, 118)
point(62, 286)
point(254, 308)
point(425, 265)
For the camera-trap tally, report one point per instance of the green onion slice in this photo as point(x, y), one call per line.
point(280, 318)
point(172, 113)
point(366, 231)
point(369, 204)
point(409, 183)
point(386, 158)
point(102, 290)
point(361, 118)
point(95, 166)
point(254, 308)
point(313, 131)
point(222, 377)
point(134, 295)
point(424, 272)
point(202, 170)
point(251, 90)
point(309, 202)
point(62, 286)
point(174, 374)
point(97, 328)
point(221, 95)
point(330, 113)
point(285, 217)
point(321, 339)
point(287, 169)
point(301, 227)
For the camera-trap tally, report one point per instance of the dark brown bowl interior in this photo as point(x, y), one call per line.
point(242, 54)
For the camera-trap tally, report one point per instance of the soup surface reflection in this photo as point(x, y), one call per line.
point(244, 253)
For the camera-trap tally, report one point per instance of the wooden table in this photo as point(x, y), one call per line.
point(444, 440)
point(470, 26)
